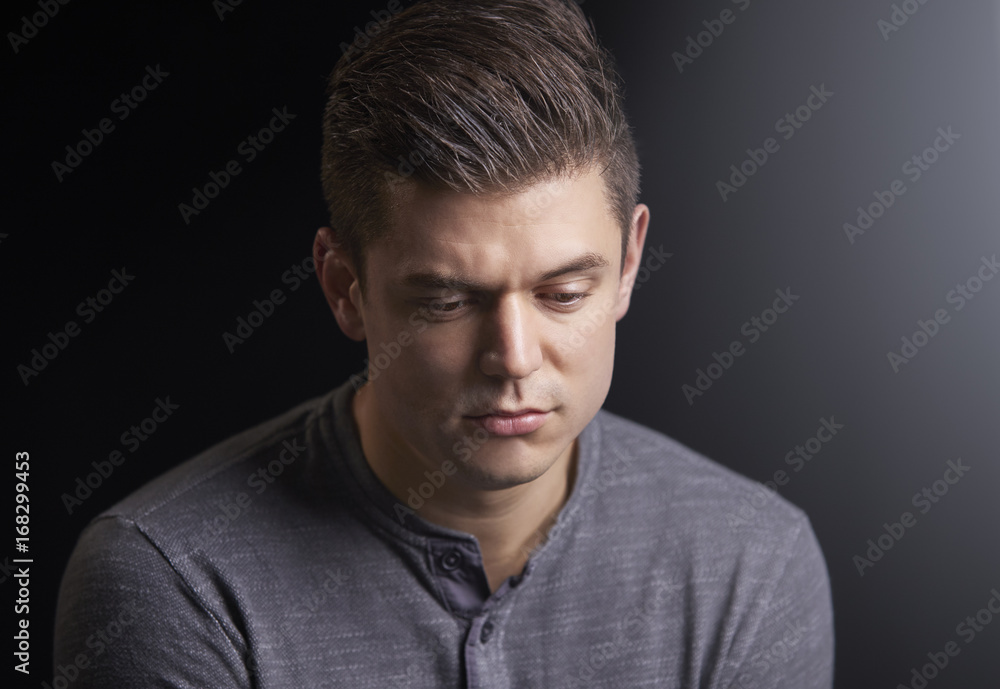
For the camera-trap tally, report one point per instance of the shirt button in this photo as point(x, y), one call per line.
point(451, 560)
point(486, 632)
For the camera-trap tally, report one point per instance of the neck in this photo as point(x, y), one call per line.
point(508, 523)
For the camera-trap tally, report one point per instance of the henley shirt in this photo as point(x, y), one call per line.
point(278, 559)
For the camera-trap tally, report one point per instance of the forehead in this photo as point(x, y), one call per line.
point(548, 223)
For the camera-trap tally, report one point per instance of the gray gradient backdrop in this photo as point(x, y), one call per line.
point(783, 228)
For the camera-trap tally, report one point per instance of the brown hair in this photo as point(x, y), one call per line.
point(481, 96)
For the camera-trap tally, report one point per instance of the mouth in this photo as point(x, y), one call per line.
point(503, 422)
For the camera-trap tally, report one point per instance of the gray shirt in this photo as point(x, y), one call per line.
point(278, 559)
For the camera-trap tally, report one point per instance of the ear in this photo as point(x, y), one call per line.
point(633, 255)
point(339, 281)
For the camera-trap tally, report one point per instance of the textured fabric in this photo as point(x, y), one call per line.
point(278, 559)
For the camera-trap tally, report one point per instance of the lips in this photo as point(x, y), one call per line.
point(511, 422)
point(504, 412)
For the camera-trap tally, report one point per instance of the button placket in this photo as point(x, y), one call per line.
point(461, 579)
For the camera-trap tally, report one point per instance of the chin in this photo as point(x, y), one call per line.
point(494, 468)
point(489, 480)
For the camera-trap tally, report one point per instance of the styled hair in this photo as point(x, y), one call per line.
point(481, 96)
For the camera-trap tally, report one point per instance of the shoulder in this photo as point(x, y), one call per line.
point(699, 525)
point(220, 467)
point(187, 543)
point(222, 492)
point(683, 489)
point(120, 598)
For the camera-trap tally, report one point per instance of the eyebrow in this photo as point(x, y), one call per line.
point(435, 280)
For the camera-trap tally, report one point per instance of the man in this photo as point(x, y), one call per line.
point(462, 514)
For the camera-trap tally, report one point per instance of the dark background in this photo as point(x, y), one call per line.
point(826, 356)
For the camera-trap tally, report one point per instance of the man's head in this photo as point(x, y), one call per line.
point(474, 96)
point(498, 264)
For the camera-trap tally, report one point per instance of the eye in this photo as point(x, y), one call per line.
point(569, 298)
point(440, 308)
point(445, 306)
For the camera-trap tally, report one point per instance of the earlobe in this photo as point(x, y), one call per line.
point(339, 283)
point(633, 256)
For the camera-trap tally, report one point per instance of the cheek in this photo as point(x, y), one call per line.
point(416, 358)
point(589, 340)
point(440, 351)
point(394, 344)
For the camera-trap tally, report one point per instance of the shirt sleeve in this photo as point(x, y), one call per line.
point(126, 618)
point(791, 644)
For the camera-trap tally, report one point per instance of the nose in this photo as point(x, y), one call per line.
point(512, 345)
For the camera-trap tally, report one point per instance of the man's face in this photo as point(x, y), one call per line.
point(476, 304)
